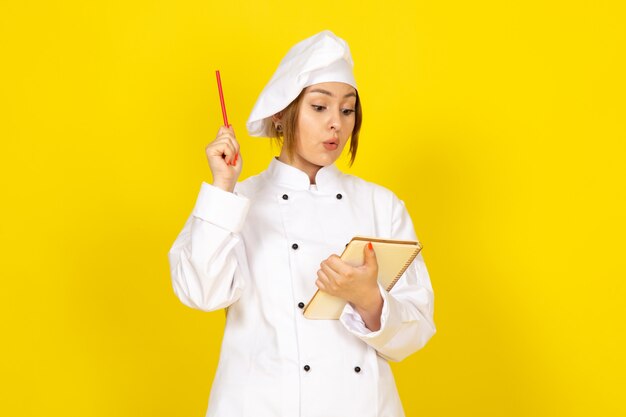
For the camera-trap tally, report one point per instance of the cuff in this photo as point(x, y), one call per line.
point(354, 323)
point(221, 208)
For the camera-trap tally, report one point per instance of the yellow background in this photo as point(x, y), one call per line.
point(500, 123)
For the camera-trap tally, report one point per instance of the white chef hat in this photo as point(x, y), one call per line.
point(323, 57)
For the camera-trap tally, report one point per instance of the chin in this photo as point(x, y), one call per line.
point(321, 159)
point(324, 162)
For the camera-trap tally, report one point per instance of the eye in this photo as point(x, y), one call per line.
point(347, 112)
point(318, 108)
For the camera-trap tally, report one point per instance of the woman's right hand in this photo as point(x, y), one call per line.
point(224, 159)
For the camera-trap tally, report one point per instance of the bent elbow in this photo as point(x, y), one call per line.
point(403, 348)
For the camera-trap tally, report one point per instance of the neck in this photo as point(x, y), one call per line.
point(305, 166)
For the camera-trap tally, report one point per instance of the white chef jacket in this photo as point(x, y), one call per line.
point(257, 252)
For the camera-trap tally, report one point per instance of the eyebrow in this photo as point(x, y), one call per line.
point(328, 93)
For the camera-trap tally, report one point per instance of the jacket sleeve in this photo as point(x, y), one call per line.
point(207, 260)
point(407, 314)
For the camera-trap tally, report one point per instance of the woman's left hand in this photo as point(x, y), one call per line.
point(358, 285)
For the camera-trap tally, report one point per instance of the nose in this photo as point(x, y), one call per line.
point(335, 121)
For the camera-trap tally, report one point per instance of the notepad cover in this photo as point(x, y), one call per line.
point(393, 257)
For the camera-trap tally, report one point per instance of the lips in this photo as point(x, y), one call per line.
point(331, 144)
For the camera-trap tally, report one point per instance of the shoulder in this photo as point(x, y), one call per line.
point(250, 186)
point(386, 210)
point(383, 200)
point(375, 191)
point(254, 186)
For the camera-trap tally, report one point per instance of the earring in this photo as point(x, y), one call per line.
point(279, 127)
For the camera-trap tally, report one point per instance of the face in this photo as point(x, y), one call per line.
point(325, 122)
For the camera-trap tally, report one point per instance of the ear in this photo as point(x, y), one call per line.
point(277, 117)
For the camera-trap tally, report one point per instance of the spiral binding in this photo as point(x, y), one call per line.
point(406, 265)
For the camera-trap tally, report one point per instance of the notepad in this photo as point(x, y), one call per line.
point(393, 257)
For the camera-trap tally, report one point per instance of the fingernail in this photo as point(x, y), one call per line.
point(370, 247)
point(236, 157)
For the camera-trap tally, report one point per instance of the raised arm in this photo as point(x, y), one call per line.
point(207, 261)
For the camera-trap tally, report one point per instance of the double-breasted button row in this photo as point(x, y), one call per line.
point(307, 368)
point(339, 196)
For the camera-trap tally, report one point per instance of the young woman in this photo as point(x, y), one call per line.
point(261, 248)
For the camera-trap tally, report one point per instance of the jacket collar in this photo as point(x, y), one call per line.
point(288, 176)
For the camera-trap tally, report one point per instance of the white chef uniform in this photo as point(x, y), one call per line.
point(257, 251)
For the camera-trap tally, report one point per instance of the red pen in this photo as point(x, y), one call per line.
point(224, 116)
point(219, 87)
